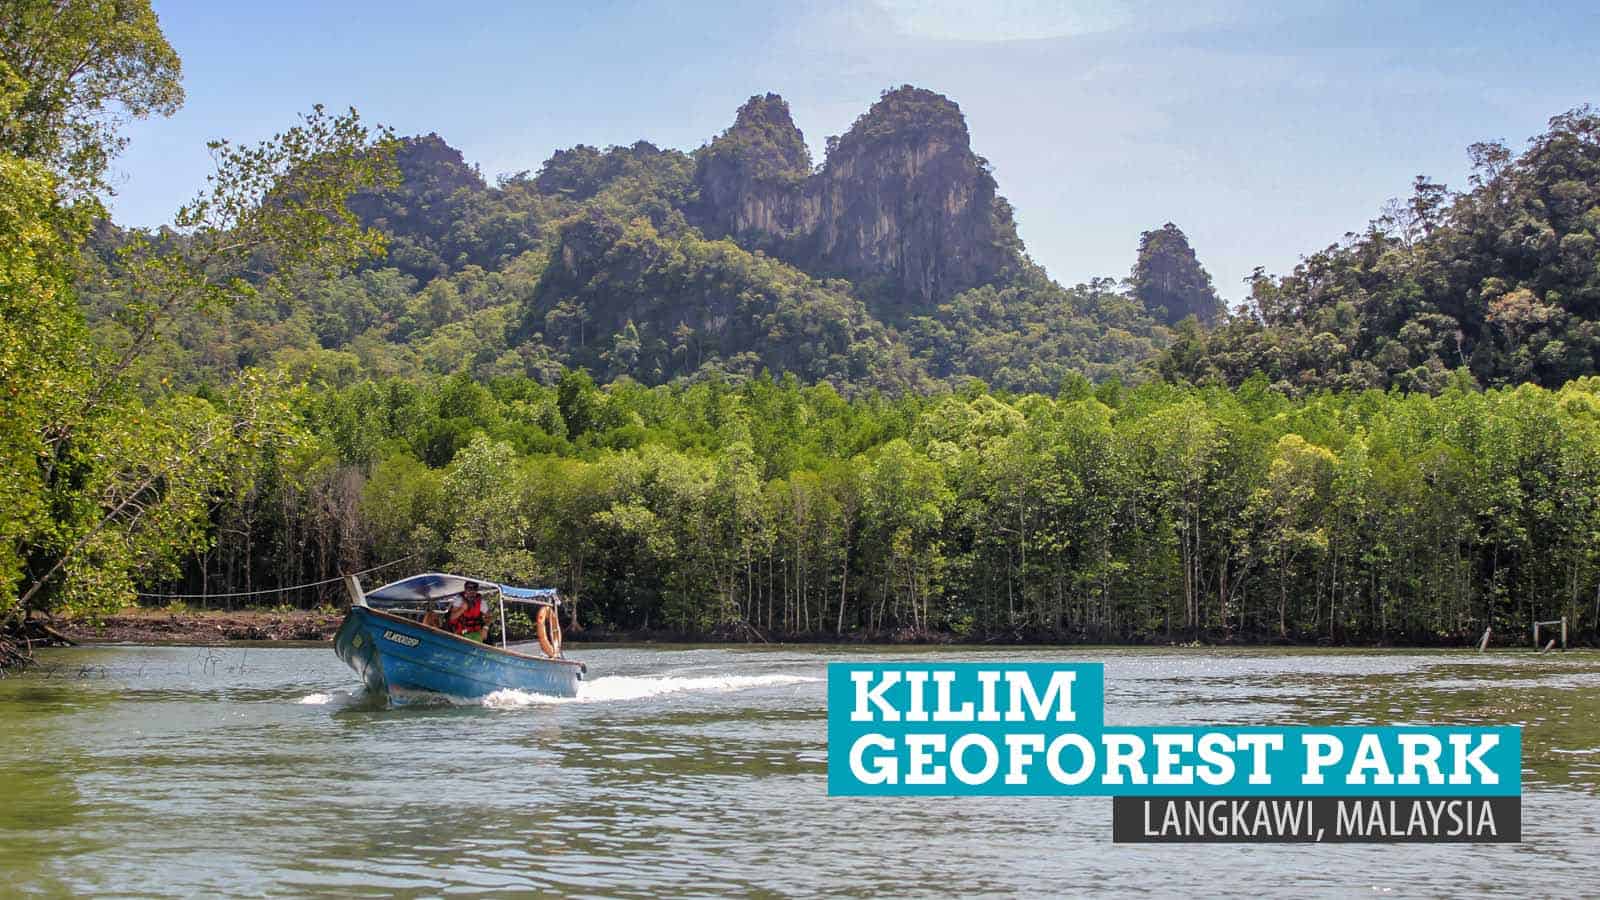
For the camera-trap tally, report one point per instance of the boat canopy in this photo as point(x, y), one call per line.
point(431, 586)
point(534, 595)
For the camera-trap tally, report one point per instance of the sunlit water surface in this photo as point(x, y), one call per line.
point(193, 771)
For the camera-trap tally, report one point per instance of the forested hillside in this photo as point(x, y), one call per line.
point(1502, 279)
point(893, 265)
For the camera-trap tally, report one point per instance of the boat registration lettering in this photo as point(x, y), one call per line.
point(402, 639)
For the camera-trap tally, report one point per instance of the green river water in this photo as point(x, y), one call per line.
point(195, 771)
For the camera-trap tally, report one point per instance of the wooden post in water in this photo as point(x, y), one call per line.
point(1562, 622)
point(1484, 644)
point(1550, 646)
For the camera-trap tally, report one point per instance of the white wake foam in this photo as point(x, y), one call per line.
point(623, 687)
point(315, 699)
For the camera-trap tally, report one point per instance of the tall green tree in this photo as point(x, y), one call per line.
point(42, 345)
point(112, 478)
point(80, 69)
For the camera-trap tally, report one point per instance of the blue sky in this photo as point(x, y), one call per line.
point(1264, 130)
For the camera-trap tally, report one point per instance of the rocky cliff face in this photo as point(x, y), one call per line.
point(755, 179)
point(901, 197)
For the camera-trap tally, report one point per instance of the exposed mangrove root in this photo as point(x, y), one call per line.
point(12, 654)
point(20, 637)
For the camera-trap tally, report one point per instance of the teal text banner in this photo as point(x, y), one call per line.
point(1027, 729)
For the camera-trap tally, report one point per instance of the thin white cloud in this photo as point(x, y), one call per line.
point(1004, 20)
point(1015, 20)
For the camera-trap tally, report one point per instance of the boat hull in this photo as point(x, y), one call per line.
point(397, 657)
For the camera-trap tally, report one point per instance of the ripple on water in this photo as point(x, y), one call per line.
point(617, 688)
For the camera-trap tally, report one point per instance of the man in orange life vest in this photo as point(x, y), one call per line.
point(466, 615)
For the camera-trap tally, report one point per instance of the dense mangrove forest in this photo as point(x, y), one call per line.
point(1100, 513)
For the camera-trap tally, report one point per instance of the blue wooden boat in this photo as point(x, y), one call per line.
point(384, 640)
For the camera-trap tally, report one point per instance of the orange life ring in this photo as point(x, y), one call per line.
point(548, 627)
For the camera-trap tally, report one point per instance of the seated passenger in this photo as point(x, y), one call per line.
point(466, 615)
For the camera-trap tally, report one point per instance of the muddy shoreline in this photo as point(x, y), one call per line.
point(160, 626)
point(157, 626)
